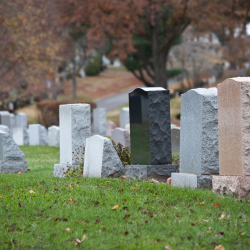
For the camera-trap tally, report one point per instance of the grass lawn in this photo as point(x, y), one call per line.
point(149, 216)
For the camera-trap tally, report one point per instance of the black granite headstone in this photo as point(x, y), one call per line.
point(150, 126)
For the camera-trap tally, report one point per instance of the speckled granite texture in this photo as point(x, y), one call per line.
point(199, 152)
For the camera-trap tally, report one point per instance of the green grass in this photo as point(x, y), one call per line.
point(150, 217)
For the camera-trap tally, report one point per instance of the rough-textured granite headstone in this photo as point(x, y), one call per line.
point(20, 136)
point(121, 135)
point(5, 118)
point(101, 159)
point(110, 125)
point(199, 151)
point(54, 136)
point(234, 129)
point(234, 185)
point(99, 121)
point(11, 156)
point(150, 130)
point(124, 117)
point(175, 140)
point(75, 128)
point(21, 120)
point(5, 129)
point(38, 135)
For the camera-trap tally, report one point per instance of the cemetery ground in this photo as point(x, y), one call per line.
point(42, 212)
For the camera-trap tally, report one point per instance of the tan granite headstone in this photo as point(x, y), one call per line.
point(234, 126)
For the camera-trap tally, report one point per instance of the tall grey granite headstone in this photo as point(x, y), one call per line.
point(99, 121)
point(11, 156)
point(38, 135)
point(175, 140)
point(75, 128)
point(121, 135)
point(199, 151)
point(21, 120)
point(124, 117)
point(101, 159)
point(20, 136)
point(5, 118)
point(150, 134)
point(54, 136)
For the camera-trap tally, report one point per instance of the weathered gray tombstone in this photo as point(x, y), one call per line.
point(11, 156)
point(175, 140)
point(38, 135)
point(121, 135)
point(54, 136)
point(5, 118)
point(99, 121)
point(21, 120)
point(150, 134)
point(199, 151)
point(75, 128)
point(20, 136)
point(101, 159)
point(5, 129)
point(124, 117)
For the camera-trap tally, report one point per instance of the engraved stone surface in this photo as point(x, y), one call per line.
point(99, 121)
point(54, 136)
point(124, 117)
point(5, 118)
point(150, 126)
point(146, 172)
point(175, 140)
point(21, 120)
point(199, 152)
point(38, 135)
point(120, 135)
point(101, 159)
point(234, 185)
point(11, 156)
point(191, 180)
point(20, 136)
point(234, 129)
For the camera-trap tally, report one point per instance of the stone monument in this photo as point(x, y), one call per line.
point(121, 135)
point(21, 120)
point(38, 135)
point(54, 136)
point(99, 121)
point(150, 134)
point(75, 128)
point(110, 125)
point(234, 137)
point(5, 118)
point(199, 151)
point(20, 136)
point(175, 139)
point(124, 117)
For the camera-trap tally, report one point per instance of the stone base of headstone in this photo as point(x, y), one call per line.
point(61, 169)
point(191, 180)
point(13, 166)
point(232, 185)
point(146, 172)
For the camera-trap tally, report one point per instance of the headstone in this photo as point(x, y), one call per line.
point(20, 136)
point(175, 140)
point(150, 134)
point(11, 156)
point(12, 120)
point(121, 135)
point(127, 127)
point(38, 135)
point(117, 63)
point(75, 128)
point(199, 152)
point(5, 118)
point(5, 129)
point(110, 125)
point(101, 159)
point(21, 120)
point(234, 137)
point(124, 117)
point(99, 121)
point(54, 136)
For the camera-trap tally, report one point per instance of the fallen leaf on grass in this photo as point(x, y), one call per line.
point(223, 216)
point(69, 184)
point(202, 203)
point(122, 178)
point(126, 233)
point(32, 192)
point(20, 172)
point(70, 200)
point(108, 181)
point(217, 205)
point(39, 160)
point(154, 181)
point(133, 188)
point(220, 247)
point(19, 204)
point(168, 247)
point(205, 220)
point(115, 207)
point(28, 169)
point(67, 229)
point(56, 219)
point(78, 242)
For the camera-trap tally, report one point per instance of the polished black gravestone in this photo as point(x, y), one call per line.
point(150, 134)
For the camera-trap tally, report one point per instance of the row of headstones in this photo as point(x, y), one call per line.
point(9, 121)
point(215, 138)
